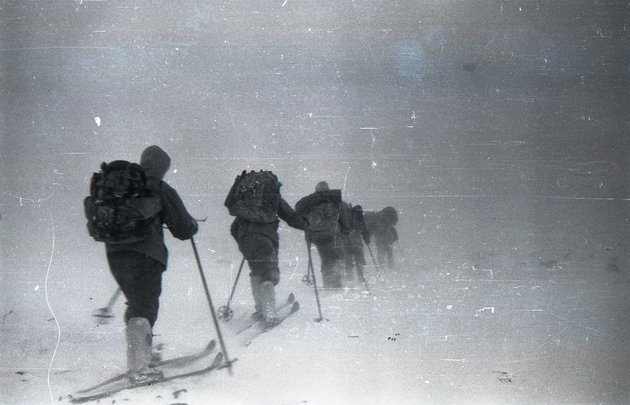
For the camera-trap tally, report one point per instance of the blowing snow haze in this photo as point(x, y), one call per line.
point(497, 129)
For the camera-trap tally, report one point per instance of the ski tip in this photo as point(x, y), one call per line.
point(295, 306)
point(211, 345)
point(291, 298)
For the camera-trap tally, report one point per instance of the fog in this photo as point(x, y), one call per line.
point(498, 129)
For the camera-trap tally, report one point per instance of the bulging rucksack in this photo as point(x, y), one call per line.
point(322, 215)
point(120, 207)
point(389, 215)
point(254, 196)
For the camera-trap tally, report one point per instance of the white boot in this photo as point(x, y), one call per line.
point(268, 295)
point(139, 342)
point(258, 299)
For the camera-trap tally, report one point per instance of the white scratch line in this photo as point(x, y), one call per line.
point(297, 265)
point(435, 339)
point(574, 323)
point(285, 2)
point(488, 270)
point(345, 178)
point(52, 253)
point(527, 360)
point(43, 48)
point(21, 199)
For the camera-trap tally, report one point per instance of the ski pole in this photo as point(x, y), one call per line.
point(104, 314)
point(306, 279)
point(214, 316)
point(312, 271)
point(360, 271)
point(225, 312)
point(373, 260)
point(113, 299)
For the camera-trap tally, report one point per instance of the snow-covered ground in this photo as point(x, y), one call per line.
point(515, 314)
point(498, 129)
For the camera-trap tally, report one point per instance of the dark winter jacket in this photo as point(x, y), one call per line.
point(242, 227)
point(155, 163)
point(382, 226)
point(332, 198)
point(358, 228)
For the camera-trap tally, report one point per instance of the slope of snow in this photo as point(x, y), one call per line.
point(503, 325)
point(497, 129)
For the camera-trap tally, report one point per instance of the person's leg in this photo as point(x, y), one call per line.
point(255, 282)
point(262, 257)
point(390, 256)
point(338, 270)
point(349, 263)
point(329, 258)
point(380, 254)
point(140, 279)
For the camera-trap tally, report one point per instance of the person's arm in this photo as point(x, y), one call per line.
point(179, 222)
point(302, 207)
point(234, 228)
point(394, 234)
point(365, 232)
point(288, 215)
point(345, 217)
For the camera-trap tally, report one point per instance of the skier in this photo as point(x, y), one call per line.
point(256, 203)
point(138, 266)
point(357, 235)
point(382, 225)
point(327, 225)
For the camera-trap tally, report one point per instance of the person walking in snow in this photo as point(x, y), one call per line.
point(327, 225)
point(138, 261)
point(357, 235)
point(255, 201)
point(382, 226)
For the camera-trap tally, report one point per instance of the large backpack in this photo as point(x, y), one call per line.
point(120, 207)
point(254, 196)
point(323, 214)
point(389, 215)
point(371, 221)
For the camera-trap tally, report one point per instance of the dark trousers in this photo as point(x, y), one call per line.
point(354, 256)
point(385, 254)
point(332, 256)
point(261, 255)
point(140, 279)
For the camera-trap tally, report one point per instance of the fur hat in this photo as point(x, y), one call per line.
point(155, 162)
point(322, 186)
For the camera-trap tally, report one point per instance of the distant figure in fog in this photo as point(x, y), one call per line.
point(327, 225)
point(382, 227)
point(357, 235)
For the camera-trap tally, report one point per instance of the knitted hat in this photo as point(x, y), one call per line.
point(322, 186)
point(155, 162)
